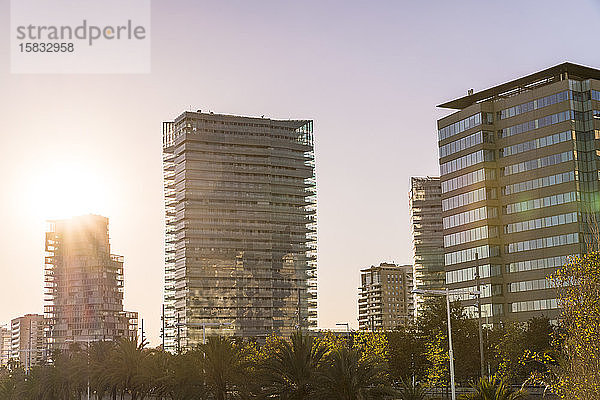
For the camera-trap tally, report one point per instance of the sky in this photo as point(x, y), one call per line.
point(369, 73)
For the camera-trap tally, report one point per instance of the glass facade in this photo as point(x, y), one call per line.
point(470, 235)
point(240, 197)
point(539, 223)
point(534, 305)
point(536, 143)
point(538, 163)
point(542, 243)
point(468, 255)
point(469, 216)
point(468, 198)
point(469, 273)
point(468, 179)
point(543, 202)
point(526, 286)
point(467, 142)
point(538, 123)
point(460, 126)
point(535, 104)
point(540, 263)
point(425, 203)
point(538, 183)
point(466, 161)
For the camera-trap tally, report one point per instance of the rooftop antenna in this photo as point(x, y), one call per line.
point(470, 92)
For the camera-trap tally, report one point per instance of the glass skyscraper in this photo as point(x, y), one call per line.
point(240, 196)
point(519, 177)
point(425, 203)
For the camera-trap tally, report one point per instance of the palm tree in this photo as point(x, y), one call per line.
point(291, 372)
point(493, 388)
point(124, 370)
point(179, 377)
point(11, 384)
point(412, 392)
point(225, 367)
point(345, 377)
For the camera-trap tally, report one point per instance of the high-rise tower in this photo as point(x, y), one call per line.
point(519, 176)
point(425, 203)
point(84, 284)
point(240, 227)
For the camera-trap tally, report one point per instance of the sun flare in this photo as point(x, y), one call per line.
point(65, 190)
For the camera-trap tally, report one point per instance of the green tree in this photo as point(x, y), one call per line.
point(406, 349)
point(345, 375)
point(578, 288)
point(437, 373)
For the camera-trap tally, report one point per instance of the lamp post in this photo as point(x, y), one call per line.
point(348, 330)
point(478, 279)
point(447, 293)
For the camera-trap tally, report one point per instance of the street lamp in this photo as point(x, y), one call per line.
point(447, 293)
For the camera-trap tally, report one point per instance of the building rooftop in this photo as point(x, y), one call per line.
point(557, 73)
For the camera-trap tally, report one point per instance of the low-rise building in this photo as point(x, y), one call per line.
point(27, 340)
point(385, 298)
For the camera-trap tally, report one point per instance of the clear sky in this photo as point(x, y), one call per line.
point(369, 73)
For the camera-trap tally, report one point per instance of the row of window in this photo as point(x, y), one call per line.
point(535, 104)
point(533, 204)
point(526, 286)
point(467, 161)
point(487, 310)
point(460, 126)
point(470, 235)
point(466, 217)
point(468, 179)
point(467, 255)
point(468, 293)
point(466, 142)
point(542, 243)
point(536, 143)
point(534, 305)
point(579, 86)
point(536, 163)
point(468, 198)
point(540, 263)
point(596, 95)
point(539, 223)
point(537, 123)
point(469, 273)
point(539, 183)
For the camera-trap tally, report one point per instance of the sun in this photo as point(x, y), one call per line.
point(65, 189)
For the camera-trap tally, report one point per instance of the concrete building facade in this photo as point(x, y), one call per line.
point(28, 347)
point(385, 298)
point(425, 204)
point(5, 345)
point(519, 177)
point(240, 196)
point(84, 284)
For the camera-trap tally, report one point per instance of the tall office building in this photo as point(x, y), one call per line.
point(385, 299)
point(425, 203)
point(240, 227)
point(5, 345)
point(519, 172)
point(84, 284)
point(28, 346)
